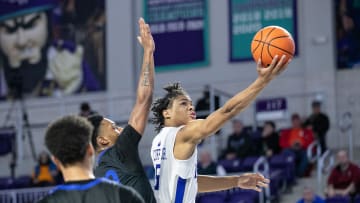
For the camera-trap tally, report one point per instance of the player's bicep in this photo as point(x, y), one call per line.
point(139, 116)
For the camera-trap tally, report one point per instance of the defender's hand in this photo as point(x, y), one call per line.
point(145, 39)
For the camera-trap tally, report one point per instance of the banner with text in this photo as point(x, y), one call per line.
point(246, 17)
point(180, 31)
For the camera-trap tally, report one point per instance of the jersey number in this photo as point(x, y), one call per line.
point(157, 176)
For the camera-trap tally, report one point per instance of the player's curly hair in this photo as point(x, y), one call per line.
point(173, 90)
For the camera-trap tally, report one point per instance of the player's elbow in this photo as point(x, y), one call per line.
point(229, 111)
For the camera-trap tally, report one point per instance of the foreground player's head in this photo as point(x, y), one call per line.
point(68, 140)
point(174, 109)
point(105, 132)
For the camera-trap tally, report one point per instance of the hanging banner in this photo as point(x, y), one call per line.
point(271, 109)
point(51, 47)
point(180, 31)
point(246, 17)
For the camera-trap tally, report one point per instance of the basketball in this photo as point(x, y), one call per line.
point(271, 41)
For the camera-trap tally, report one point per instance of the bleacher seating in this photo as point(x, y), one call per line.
point(231, 166)
point(338, 199)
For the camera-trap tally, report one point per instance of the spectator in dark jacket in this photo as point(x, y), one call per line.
point(85, 110)
point(207, 166)
point(239, 142)
point(319, 123)
point(270, 139)
point(203, 104)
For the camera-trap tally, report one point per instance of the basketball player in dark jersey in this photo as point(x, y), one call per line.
point(69, 141)
point(117, 147)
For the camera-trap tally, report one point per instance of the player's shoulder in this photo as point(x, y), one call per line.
point(129, 129)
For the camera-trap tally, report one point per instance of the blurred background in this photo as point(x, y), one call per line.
point(60, 57)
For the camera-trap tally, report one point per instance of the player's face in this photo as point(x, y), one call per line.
point(110, 131)
point(22, 38)
point(182, 110)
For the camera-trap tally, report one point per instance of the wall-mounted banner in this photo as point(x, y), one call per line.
point(271, 109)
point(51, 47)
point(246, 17)
point(180, 30)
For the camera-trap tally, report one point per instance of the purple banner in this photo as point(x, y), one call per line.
point(275, 104)
point(180, 31)
point(51, 47)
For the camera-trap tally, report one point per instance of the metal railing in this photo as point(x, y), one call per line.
point(23, 195)
point(311, 156)
point(325, 164)
point(261, 161)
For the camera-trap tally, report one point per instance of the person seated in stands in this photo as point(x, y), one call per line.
point(239, 142)
point(270, 140)
point(310, 197)
point(85, 110)
point(203, 104)
point(45, 172)
point(344, 177)
point(207, 166)
point(296, 140)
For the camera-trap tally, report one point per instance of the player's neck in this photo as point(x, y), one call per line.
point(77, 172)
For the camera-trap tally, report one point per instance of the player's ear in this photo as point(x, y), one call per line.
point(166, 114)
point(90, 150)
point(102, 140)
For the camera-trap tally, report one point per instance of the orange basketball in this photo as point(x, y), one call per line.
point(271, 41)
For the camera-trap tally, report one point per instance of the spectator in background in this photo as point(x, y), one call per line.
point(296, 140)
point(344, 178)
point(203, 104)
point(85, 110)
point(207, 166)
point(239, 142)
point(45, 172)
point(319, 123)
point(347, 33)
point(270, 139)
point(310, 197)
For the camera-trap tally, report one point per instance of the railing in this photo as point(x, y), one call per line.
point(325, 163)
point(261, 161)
point(311, 156)
point(23, 195)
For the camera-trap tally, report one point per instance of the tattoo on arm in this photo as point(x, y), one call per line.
point(146, 76)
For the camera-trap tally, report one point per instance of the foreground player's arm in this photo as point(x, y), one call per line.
point(200, 129)
point(140, 112)
point(251, 181)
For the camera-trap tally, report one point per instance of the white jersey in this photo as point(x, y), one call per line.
point(175, 180)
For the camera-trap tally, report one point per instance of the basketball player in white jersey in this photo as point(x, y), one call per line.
point(174, 152)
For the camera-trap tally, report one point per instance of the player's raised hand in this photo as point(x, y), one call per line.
point(277, 66)
point(253, 181)
point(145, 39)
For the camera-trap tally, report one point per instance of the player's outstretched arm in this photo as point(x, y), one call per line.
point(200, 129)
point(140, 112)
point(253, 181)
